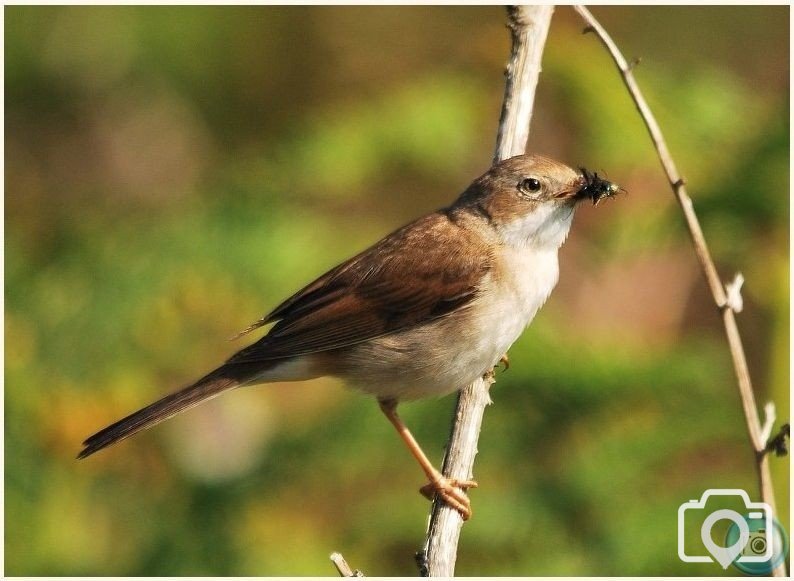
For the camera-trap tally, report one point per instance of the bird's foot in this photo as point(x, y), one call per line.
point(505, 360)
point(451, 491)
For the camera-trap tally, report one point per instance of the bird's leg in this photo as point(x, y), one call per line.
point(449, 489)
point(505, 360)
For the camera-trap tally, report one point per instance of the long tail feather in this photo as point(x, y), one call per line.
point(207, 387)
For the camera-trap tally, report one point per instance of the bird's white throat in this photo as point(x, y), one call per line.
point(546, 226)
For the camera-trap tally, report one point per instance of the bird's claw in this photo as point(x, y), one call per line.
point(505, 360)
point(451, 491)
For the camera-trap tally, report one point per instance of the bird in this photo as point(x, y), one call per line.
point(424, 312)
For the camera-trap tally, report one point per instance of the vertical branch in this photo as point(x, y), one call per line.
point(728, 308)
point(529, 26)
point(443, 533)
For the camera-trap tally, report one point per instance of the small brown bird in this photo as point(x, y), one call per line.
point(425, 311)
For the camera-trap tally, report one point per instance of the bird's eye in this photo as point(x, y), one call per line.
point(530, 185)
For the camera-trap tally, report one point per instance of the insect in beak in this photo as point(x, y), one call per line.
point(597, 188)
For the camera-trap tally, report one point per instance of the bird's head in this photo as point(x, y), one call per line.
point(530, 199)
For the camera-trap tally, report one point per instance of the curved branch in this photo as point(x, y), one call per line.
point(718, 291)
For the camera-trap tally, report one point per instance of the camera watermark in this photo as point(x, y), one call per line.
point(755, 542)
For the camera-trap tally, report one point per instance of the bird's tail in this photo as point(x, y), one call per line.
point(224, 378)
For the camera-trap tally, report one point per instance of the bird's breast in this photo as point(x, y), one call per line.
point(520, 284)
point(525, 279)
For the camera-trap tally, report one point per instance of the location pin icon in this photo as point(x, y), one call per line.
point(725, 555)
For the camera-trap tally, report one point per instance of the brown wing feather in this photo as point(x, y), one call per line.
point(418, 273)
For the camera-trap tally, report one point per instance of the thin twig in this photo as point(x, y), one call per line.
point(718, 291)
point(529, 26)
point(344, 569)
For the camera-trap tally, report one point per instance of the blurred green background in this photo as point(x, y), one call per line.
point(173, 173)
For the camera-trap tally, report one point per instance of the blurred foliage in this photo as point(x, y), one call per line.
point(172, 173)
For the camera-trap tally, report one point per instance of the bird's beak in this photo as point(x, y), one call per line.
point(575, 191)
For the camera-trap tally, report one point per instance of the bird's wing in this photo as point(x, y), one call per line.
point(420, 272)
